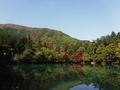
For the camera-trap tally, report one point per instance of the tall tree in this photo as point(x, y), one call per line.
point(118, 51)
point(29, 42)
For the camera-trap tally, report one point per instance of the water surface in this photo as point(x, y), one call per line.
point(59, 77)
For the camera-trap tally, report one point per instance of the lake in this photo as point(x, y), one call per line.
point(60, 77)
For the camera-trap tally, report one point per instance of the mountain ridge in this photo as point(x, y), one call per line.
point(47, 45)
point(52, 38)
point(16, 29)
point(17, 26)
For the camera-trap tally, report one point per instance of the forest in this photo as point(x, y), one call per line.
point(20, 44)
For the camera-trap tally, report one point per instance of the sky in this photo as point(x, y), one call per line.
point(81, 19)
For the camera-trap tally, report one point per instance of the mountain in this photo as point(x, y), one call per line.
point(50, 38)
point(40, 43)
point(47, 45)
point(38, 33)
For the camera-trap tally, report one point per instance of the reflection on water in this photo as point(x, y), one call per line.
point(60, 77)
point(84, 87)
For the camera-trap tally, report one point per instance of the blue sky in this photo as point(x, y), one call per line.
point(81, 19)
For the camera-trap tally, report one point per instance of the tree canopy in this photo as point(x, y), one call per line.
point(36, 45)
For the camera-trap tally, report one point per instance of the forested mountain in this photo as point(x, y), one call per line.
point(52, 44)
point(37, 33)
point(25, 44)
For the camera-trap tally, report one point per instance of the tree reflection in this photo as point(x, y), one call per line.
point(59, 77)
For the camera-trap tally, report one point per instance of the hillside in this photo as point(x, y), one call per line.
point(42, 44)
point(27, 44)
point(37, 33)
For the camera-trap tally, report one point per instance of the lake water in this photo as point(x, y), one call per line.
point(60, 77)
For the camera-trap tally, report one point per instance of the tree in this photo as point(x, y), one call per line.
point(28, 55)
point(20, 45)
point(100, 53)
point(113, 34)
point(77, 58)
point(81, 50)
point(113, 37)
point(86, 57)
point(110, 51)
point(118, 51)
point(29, 43)
point(65, 58)
point(39, 56)
point(118, 37)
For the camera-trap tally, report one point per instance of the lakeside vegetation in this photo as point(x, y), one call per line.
point(40, 45)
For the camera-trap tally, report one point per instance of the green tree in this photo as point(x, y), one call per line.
point(20, 45)
point(29, 42)
point(86, 57)
point(39, 56)
point(110, 52)
point(118, 51)
point(81, 50)
point(113, 37)
point(100, 54)
point(28, 55)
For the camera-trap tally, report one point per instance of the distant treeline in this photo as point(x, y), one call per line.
point(48, 48)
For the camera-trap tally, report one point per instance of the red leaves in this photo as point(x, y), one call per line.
point(77, 58)
point(73, 58)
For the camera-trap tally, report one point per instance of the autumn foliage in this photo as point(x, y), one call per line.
point(25, 44)
point(77, 58)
